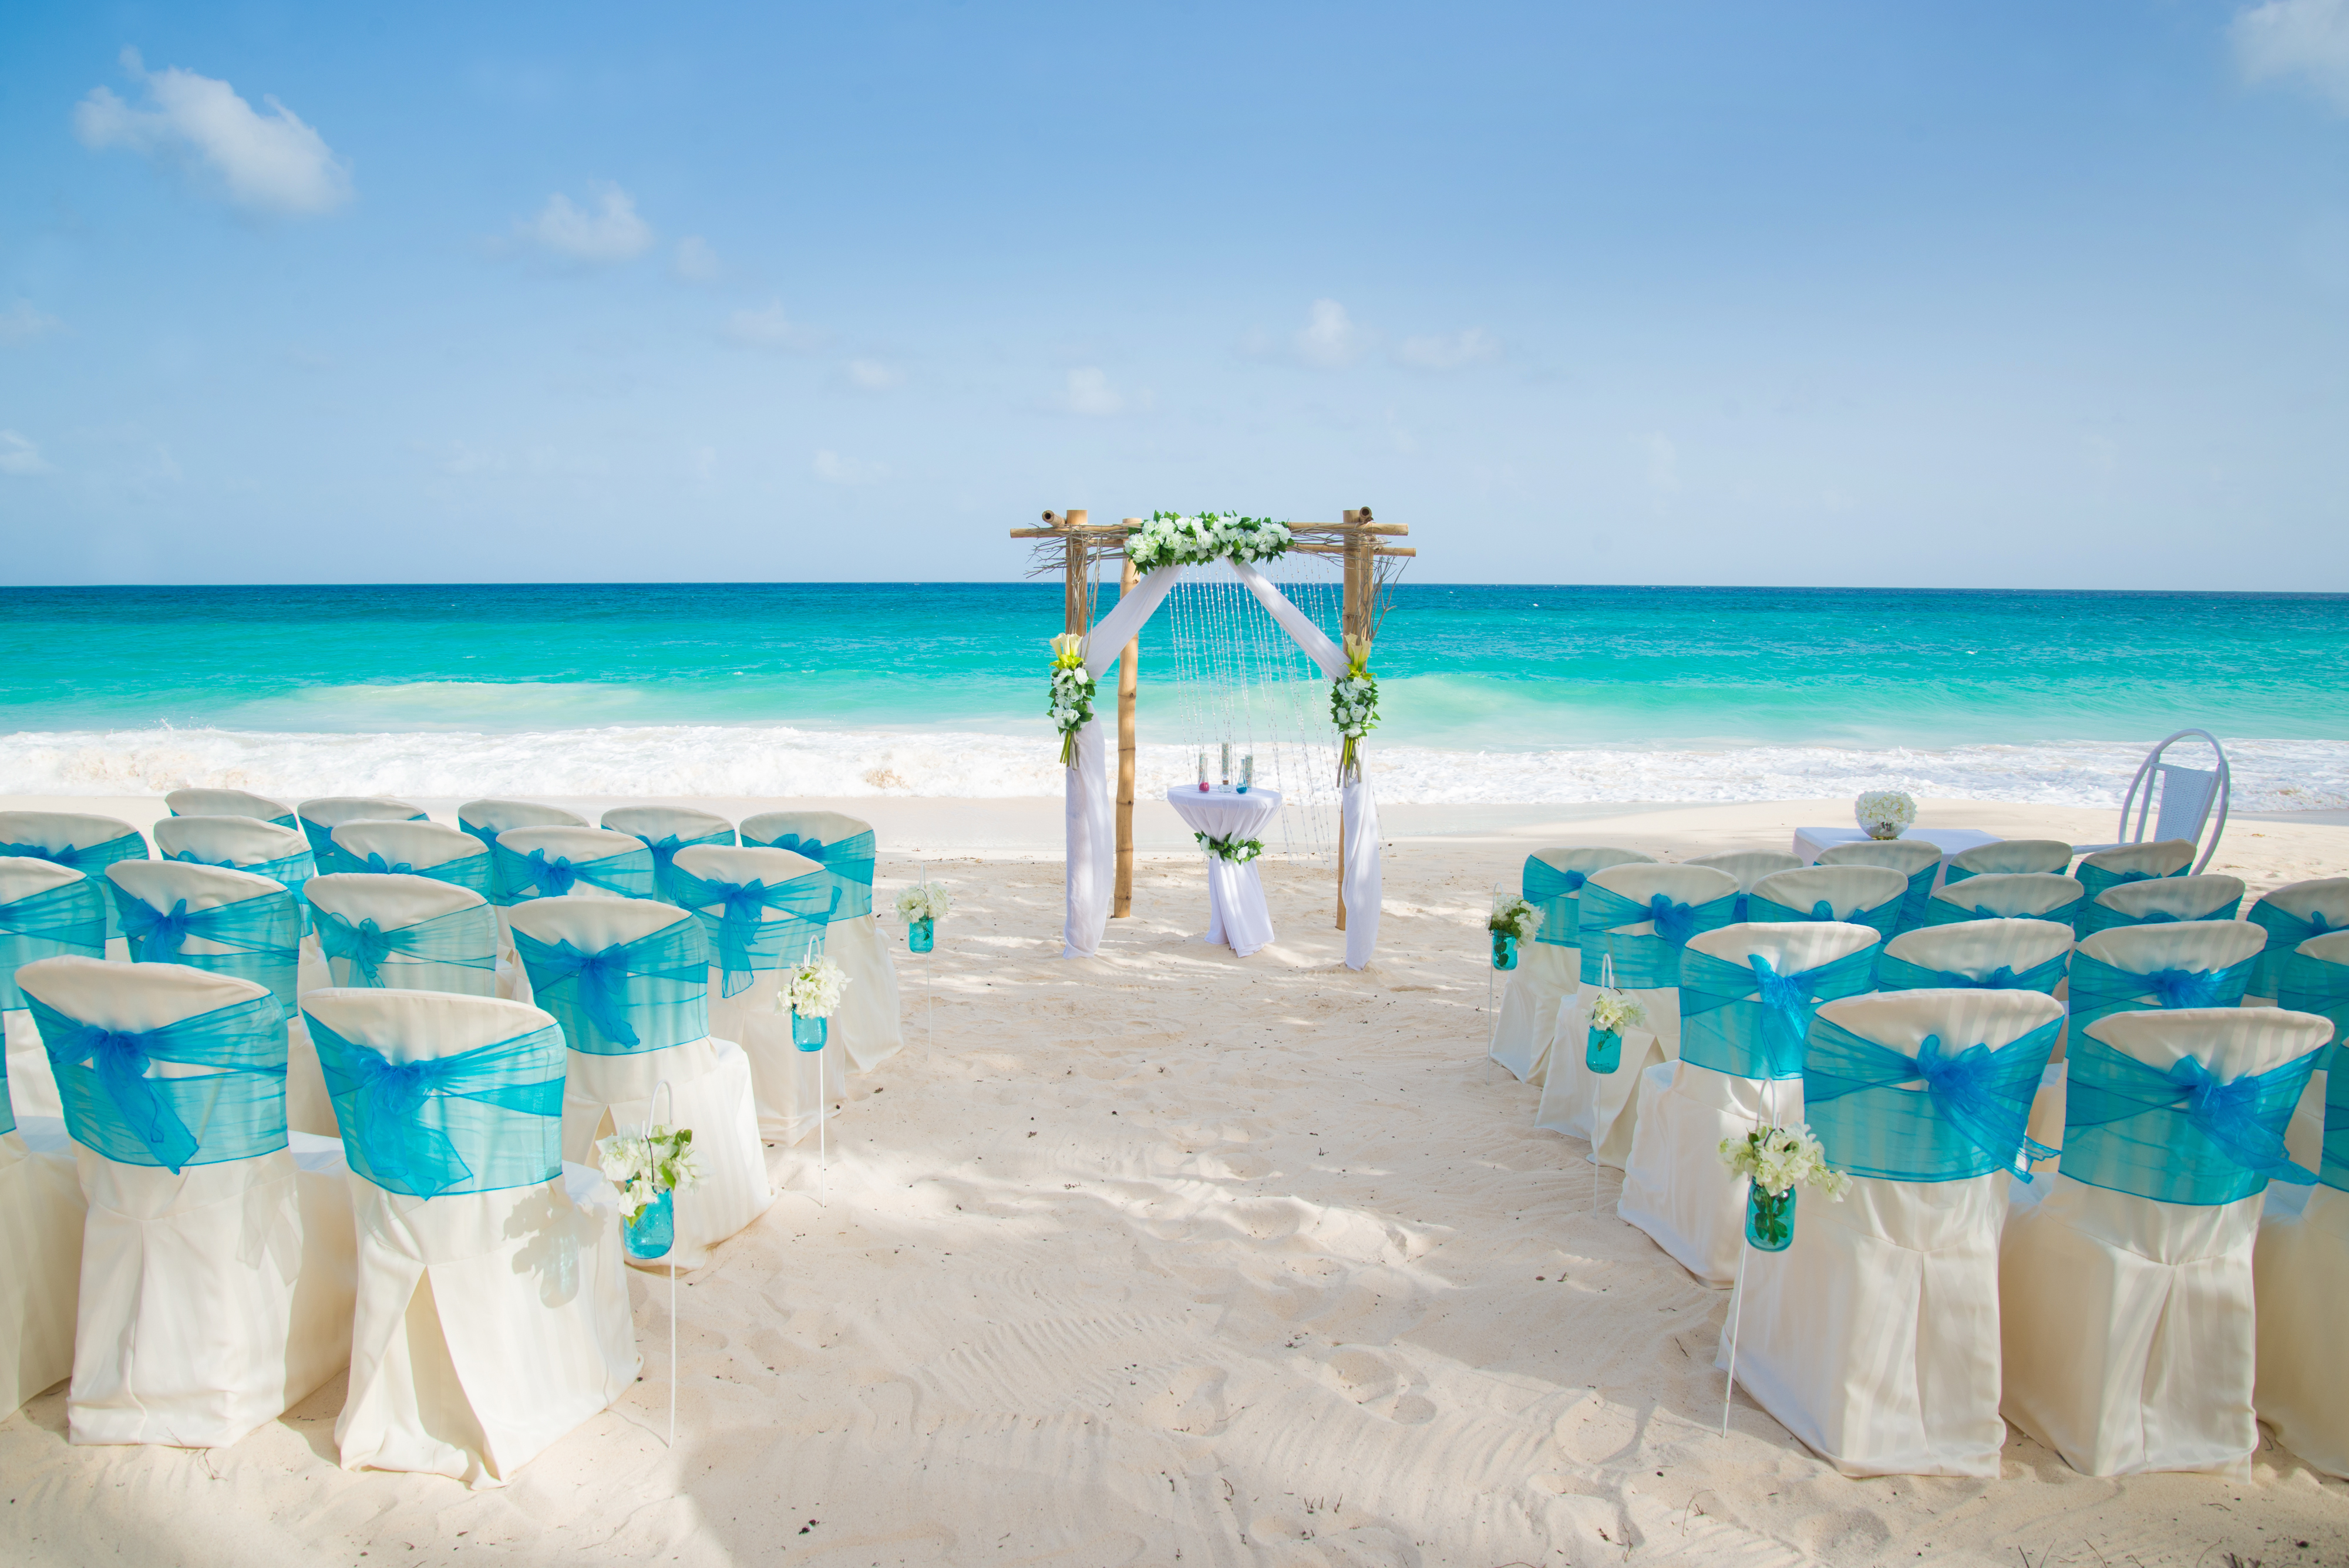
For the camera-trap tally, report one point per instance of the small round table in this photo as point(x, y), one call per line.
point(1236, 915)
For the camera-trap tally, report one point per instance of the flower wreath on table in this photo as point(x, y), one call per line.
point(1239, 851)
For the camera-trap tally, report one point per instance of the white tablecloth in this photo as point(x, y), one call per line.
point(1235, 909)
point(1810, 843)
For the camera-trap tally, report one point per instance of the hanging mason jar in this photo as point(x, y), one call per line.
point(1504, 951)
point(807, 1034)
point(1603, 1052)
point(1769, 1217)
point(920, 934)
point(654, 1230)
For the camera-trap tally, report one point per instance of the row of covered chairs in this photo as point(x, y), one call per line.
point(1728, 1047)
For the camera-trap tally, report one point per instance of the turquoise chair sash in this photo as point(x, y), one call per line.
point(519, 878)
point(471, 872)
point(1968, 1121)
point(664, 851)
point(631, 997)
point(1644, 961)
point(2334, 1168)
point(482, 1121)
point(2319, 986)
point(2285, 932)
point(1943, 912)
point(456, 951)
point(2179, 1137)
point(289, 872)
point(849, 861)
point(263, 935)
point(91, 862)
point(1884, 919)
point(322, 843)
point(1920, 893)
point(2094, 917)
point(2099, 990)
point(1750, 1022)
point(67, 918)
point(747, 942)
point(2096, 879)
point(1559, 894)
point(236, 1111)
point(1899, 974)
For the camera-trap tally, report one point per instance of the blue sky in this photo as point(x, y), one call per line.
point(1981, 294)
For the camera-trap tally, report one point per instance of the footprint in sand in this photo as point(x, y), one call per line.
point(1377, 1384)
point(1191, 1401)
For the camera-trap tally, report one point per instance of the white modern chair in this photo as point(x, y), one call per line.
point(2209, 897)
point(1870, 896)
point(629, 980)
point(1635, 920)
point(869, 1026)
point(665, 830)
point(400, 932)
point(2177, 799)
point(216, 1267)
point(2300, 1265)
point(1740, 1067)
point(2011, 857)
point(1873, 1337)
point(2005, 896)
point(1749, 866)
point(1914, 858)
point(568, 862)
point(493, 1302)
point(2126, 1304)
point(231, 802)
point(318, 818)
point(42, 1213)
point(87, 844)
point(227, 923)
point(764, 912)
point(432, 849)
point(47, 910)
point(1549, 968)
point(485, 819)
point(2290, 915)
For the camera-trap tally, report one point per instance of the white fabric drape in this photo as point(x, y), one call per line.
point(1361, 881)
point(1293, 621)
point(41, 1211)
point(2300, 1269)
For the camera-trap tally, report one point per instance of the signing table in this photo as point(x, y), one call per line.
point(1235, 911)
point(1810, 843)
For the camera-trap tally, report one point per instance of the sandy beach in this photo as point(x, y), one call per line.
point(1170, 1256)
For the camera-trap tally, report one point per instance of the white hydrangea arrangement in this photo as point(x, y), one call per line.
point(1776, 1158)
point(1515, 916)
point(812, 989)
point(1071, 706)
point(1174, 539)
point(924, 901)
point(645, 1168)
point(1353, 704)
point(1617, 1011)
point(1884, 812)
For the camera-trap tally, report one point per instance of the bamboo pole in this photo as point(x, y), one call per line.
point(1129, 682)
point(1357, 565)
point(1073, 562)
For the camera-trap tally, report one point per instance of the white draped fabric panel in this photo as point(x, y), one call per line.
point(1092, 829)
point(2301, 1270)
point(41, 1211)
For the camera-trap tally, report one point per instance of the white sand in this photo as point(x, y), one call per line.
point(1169, 1255)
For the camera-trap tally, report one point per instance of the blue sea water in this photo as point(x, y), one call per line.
point(1489, 692)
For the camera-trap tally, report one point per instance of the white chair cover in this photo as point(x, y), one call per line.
point(2160, 857)
point(2306, 1138)
point(656, 821)
point(2173, 899)
point(791, 1085)
point(870, 1024)
point(396, 901)
point(580, 845)
point(31, 1084)
point(709, 1086)
point(494, 816)
point(2128, 1321)
point(1874, 1336)
point(242, 842)
point(2002, 895)
point(417, 843)
point(2009, 857)
point(1748, 866)
point(2299, 1271)
point(1906, 855)
point(87, 844)
point(1603, 1107)
point(489, 1323)
point(331, 811)
point(227, 802)
point(41, 1217)
point(2292, 914)
point(213, 1300)
point(1847, 891)
point(1548, 972)
point(1980, 948)
point(2190, 945)
point(1674, 1185)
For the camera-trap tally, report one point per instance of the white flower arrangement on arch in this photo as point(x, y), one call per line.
point(1179, 539)
point(1071, 705)
point(1353, 705)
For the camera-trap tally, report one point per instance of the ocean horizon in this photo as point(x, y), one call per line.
point(1522, 694)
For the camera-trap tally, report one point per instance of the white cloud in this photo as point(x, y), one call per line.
point(20, 323)
point(771, 330)
point(1450, 350)
point(871, 375)
point(696, 262)
point(2303, 38)
point(265, 162)
point(834, 469)
point(19, 456)
point(611, 232)
point(1090, 394)
point(1329, 338)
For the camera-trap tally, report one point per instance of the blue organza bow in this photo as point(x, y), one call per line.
point(69, 918)
point(1969, 1122)
point(664, 853)
point(643, 995)
point(463, 940)
point(363, 946)
point(1642, 960)
point(2285, 932)
point(733, 917)
point(2188, 987)
point(377, 865)
point(1558, 893)
point(155, 935)
point(2100, 990)
point(2122, 1131)
point(235, 1111)
point(1893, 973)
point(537, 874)
point(1751, 1022)
point(259, 938)
point(849, 861)
point(479, 1121)
point(1675, 922)
point(602, 981)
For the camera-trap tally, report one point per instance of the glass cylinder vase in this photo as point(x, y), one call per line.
point(1769, 1217)
point(807, 1034)
point(920, 935)
point(1504, 951)
point(654, 1230)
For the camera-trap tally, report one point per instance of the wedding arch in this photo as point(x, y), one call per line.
point(1152, 553)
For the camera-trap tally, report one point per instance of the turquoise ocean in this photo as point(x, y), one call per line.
point(1489, 694)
